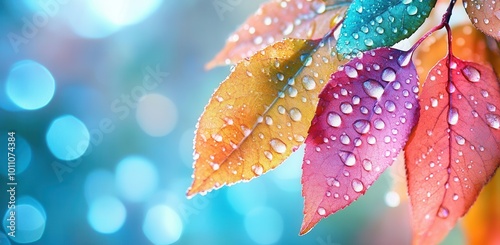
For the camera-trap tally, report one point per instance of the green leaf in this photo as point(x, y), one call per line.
point(371, 24)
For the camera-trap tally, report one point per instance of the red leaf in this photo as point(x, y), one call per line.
point(363, 120)
point(304, 19)
point(455, 148)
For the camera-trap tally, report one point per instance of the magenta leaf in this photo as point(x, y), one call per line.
point(363, 120)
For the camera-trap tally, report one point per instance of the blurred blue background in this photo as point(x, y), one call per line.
point(104, 97)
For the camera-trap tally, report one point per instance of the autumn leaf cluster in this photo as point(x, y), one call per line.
point(323, 73)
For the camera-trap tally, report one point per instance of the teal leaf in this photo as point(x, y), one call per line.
point(371, 24)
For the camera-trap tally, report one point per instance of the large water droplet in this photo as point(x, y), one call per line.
point(257, 169)
point(346, 108)
point(362, 126)
point(368, 42)
point(278, 145)
point(389, 75)
point(453, 116)
point(493, 120)
point(350, 71)
point(334, 119)
point(321, 211)
point(357, 185)
point(373, 88)
point(308, 82)
point(443, 212)
point(344, 139)
point(472, 74)
point(347, 158)
point(295, 114)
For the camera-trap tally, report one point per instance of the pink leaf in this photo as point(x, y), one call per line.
point(363, 120)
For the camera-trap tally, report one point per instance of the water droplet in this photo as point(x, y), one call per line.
point(491, 108)
point(377, 109)
point(362, 126)
point(269, 120)
point(295, 114)
point(411, 10)
point(319, 7)
point(453, 116)
point(389, 75)
point(217, 137)
point(357, 185)
point(257, 169)
point(472, 74)
point(364, 29)
point(367, 165)
point(379, 124)
point(215, 166)
point(371, 140)
point(373, 88)
point(281, 109)
point(278, 145)
point(443, 212)
point(346, 108)
point(344, 139)
point(321, 211)
point(359, 9)
point(434, 102)
point(308, 82)
point(268, 155)
point(330, 181)
point(368, 42)
point(485, 93)
point(347, 158)
point(292, 92)
point(356, 100)
point(379, 30)
point(396, 85)
point(460, 140)
point(350, 71)
point(390, 106)
point(493, 121)
point(280, 76)
point(334, 119)
point(408, 105)
point(455, 197)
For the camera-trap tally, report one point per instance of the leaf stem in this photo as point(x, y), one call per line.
point(444, 23)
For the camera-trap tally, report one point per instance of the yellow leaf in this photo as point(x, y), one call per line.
point(261, 113)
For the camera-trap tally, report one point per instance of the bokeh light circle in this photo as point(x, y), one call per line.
point(30, 85)
point(99, 183)
point(30, 220)
point(136, 178)
point(67, 138)
point(162, 225)
point(106, 214)
point(156, 114)
point(264, 225)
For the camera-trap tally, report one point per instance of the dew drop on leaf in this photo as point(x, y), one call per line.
point(472, 74)
point(357, 185)
point(334, 119)
point(278, 145)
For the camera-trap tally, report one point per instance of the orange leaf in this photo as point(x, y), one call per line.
point(482, 222)
point(278, 19)
point(455, 148)
point(485, 15)
point(261, 112)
